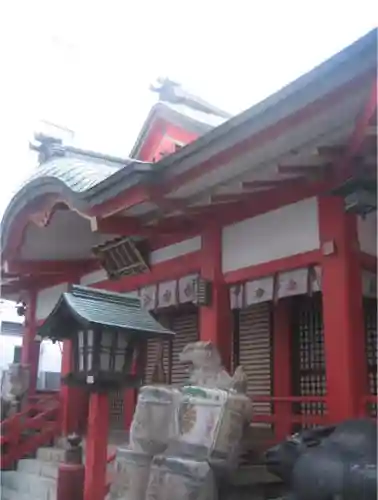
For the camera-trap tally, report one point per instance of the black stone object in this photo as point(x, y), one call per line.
point(328, 462)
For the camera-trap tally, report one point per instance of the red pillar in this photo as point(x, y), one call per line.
point(215, 321)
point(70, 483)
point(96, 447)
point(281, 366)
point(74, 400)
point(344, 335)
point(30, 347)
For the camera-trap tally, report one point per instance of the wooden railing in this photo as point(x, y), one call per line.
point(24, 432)
point(285, 403)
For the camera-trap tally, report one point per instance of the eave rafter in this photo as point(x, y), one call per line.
point(361, 132)
point(131, 226)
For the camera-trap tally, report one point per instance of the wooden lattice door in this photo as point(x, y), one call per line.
point(309, 377)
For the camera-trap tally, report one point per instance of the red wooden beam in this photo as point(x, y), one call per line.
point(332, 152)
point(168, 270)
point(96, 447)
point(127, 199)
point(226, 197)
point(37, 282)
point(257, 203)
point(304, 170)
point(115, 224)
point(40, 267)
point(282, 341)
point(363, 122)
point(166, 204)
point(271, 183)
point(359, 133)
point(272, 267)
point(343, 318)
point(215, 321)
point(130, 226)
point(294, 120)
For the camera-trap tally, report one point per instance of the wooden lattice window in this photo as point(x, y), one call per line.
point(309, 377)
point(123, 257)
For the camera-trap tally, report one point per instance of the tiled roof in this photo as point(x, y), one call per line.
point(78, 173)
point(99, 307)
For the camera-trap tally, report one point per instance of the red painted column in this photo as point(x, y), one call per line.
point(74, 399)
point(96, 447)
point(344, 335)
point(30, 347)
point(215, 321)
point(70, 482)
point(281, 366)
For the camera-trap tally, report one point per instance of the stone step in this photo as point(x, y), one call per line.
point(36, 487)
point(38, 467)
point(49, 454)
point(7, 494)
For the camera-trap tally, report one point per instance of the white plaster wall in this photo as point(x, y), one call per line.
point(289, 230)
point(93, 277)
point(367, 233)
point(47, 299)
point(50, 357)
point(176, 250)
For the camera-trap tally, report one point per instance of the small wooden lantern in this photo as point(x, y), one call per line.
point(109, 333)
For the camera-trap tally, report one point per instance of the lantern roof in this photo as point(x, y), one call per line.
point(89, 307)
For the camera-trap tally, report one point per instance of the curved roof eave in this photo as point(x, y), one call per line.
point(77, 183)
point(34, 190)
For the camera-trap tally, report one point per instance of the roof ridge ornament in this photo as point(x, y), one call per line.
point(47, 147)
point(172, 92)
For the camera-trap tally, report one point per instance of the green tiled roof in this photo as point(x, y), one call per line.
point(78, 174)
point(89, 306)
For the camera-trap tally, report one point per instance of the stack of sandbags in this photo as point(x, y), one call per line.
point(178, 437)
point(131, 474)
point(153, 423)
point(210, 424)
point(180, 479)
point(150, 431)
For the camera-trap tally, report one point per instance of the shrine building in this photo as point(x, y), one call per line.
point(256, 232)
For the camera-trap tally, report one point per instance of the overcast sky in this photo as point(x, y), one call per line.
point(87, 65)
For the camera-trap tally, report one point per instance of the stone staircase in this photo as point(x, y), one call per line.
point(36, 478)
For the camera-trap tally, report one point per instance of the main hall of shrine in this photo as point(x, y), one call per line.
point(256, 232)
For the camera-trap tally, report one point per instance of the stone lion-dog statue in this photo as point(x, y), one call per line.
point(207, 369)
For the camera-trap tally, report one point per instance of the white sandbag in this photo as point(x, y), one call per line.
point(130, 477)
point(175, 478)
point(153, 422)
point(210, 425)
